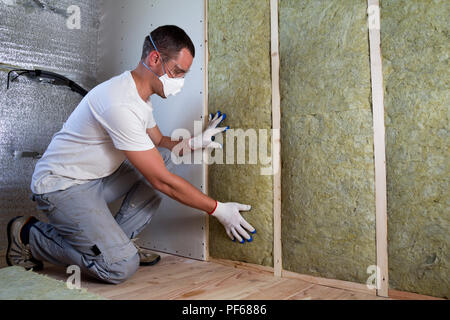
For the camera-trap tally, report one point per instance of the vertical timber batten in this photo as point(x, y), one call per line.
point(206, 112)
point(379, 146)
point(276, 143)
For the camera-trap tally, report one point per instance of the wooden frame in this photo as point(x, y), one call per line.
point(276, 142)
point(379, 146)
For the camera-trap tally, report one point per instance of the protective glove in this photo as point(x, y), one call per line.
point(228, 214)
point(206, 139)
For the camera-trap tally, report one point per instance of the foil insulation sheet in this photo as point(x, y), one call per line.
point(33, 34)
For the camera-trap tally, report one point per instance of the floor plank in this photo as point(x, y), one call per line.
point(238, 285)
point(281, 290)
point(318, 292)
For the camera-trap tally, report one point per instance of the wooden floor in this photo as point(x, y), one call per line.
point(180, 278)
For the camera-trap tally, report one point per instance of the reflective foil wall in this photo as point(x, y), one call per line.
point(34, 34)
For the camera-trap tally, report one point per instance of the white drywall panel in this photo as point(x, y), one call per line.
point(175, 228)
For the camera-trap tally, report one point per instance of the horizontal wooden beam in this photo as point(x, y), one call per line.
point(242, 265)
point(340, 284)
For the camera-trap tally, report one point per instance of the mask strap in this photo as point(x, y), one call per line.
point(149, 69)
point(154, 46)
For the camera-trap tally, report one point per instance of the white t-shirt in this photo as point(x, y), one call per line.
point(110, 118)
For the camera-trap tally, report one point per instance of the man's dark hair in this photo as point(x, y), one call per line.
point(169, 41)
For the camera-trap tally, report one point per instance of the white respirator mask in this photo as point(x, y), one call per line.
point(171, 86)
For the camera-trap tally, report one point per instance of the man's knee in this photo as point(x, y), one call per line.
point(123, 270)
point(116, 263)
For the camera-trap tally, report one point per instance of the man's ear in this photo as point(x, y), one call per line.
point(153, 58)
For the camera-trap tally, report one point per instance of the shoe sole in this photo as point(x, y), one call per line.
point(146, 264)
point(8, 229)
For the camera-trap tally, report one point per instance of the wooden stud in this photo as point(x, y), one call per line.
point(276, 142)
point(206, 112)
point(379, 147)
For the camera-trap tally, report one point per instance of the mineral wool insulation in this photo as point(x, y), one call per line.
point(30, 113)
point(240, 86)
point(328, 209)
point(415, 47)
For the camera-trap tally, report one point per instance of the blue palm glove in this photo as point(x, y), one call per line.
point(206, 139)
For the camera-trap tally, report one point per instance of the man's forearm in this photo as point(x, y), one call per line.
point(151, 165)
point(182, 191)
point(168, 143)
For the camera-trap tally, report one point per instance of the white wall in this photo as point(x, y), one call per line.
point(123, 26)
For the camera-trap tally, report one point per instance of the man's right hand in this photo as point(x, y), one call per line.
point(206, 139)
point(228, 214)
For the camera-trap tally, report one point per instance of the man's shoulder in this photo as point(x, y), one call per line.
point(113, 93)
point(116, 84)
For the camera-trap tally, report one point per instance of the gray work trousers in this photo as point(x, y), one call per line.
point(83, 232)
